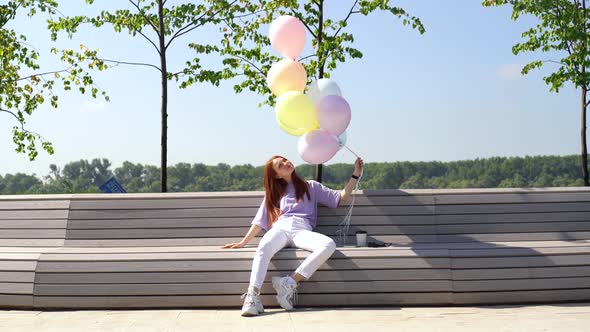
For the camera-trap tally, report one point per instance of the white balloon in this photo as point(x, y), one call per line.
point(318, 89)
point(342, 139)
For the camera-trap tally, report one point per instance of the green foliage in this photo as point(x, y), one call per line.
point(161, 25)
point(245, 47)
point(22, 88)
point(141, 18)
point(515, 172)
point(562, 28)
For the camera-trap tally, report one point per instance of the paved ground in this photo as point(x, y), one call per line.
point(559, 317)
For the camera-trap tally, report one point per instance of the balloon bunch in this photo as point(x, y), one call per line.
point(319, 117)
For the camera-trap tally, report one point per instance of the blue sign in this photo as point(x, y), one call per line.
point(112, 186)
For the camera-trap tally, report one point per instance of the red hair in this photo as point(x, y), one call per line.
point(274, 188)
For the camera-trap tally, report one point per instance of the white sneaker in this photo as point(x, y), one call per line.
point(252, 305)
point(286, 292)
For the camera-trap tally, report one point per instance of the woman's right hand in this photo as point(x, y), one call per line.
point(233, 245)
point(358, 167)
point(252, 232)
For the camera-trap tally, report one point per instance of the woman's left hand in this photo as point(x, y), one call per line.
point(358, 167)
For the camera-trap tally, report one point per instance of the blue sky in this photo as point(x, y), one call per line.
point(453, 93)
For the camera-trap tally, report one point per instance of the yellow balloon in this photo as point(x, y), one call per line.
point(295, 113)
point(286, 75)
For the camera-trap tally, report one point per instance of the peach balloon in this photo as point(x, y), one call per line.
point(286, 75)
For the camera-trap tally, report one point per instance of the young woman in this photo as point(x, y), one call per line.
point(288, 214)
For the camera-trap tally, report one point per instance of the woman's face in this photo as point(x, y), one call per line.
point(283, 167)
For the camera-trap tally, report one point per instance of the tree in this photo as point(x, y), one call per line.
point(79, 176)
point(18, 183)
point(86, 176)
point(246, 48)
point(23, 88)
point(160, 26)
point(562, 28)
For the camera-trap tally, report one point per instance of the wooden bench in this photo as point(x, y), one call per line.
point(463, 246)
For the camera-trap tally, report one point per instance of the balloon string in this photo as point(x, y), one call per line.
point(346, 146)
point(344, 225)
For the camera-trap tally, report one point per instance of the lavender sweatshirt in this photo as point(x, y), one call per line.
point(306, 209)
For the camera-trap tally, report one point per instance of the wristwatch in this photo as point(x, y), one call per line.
point(354, 177)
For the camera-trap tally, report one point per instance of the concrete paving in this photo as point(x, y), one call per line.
point(569, 317)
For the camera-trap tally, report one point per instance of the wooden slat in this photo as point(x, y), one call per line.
point(162, 213)
point(522, 273)
point(31, 242)
point(156, 242)
point(348, 250)
point(238, 276)
point(16, 288)
point(113, 253)
point(507, 237)
point(395, 246)
point(227, 202)
point(476, 191)
point(379, 210)
point(17, 276)
point(512, 208)
point(521, 297)
point(513, 228)
point(19, 256)
point(399, 239)
point(159, 223)
point(240, 222)
point(241, 212)
point(519, 262)
point(239, 265)
point(33, 214)
point(495, 244)
point(33, 204)
point(166, 203)
point(513, 198)
point(33, 223)
point(26, 249)
point(511, 217)
point(242, 254)
point(49, 233)
point(520, 284)
point(238, 288)
point(507, 251)
point(16, 301)
point(15, 265)
point(149, 233)
point(130, 233)
point(395, 239)
point(188, 249)
point(95, 302)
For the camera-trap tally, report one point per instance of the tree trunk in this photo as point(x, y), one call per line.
point(584, 147)
point(319, 168)
point(164, 139)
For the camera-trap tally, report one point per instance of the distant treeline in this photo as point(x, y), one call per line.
point(498, 172)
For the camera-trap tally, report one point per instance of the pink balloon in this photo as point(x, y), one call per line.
point(317, 146)
point(334, 114)
point(287, 36)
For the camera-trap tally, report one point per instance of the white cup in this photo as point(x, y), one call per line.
point(361, 239)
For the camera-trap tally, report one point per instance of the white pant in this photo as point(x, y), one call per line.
point(297, 233)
